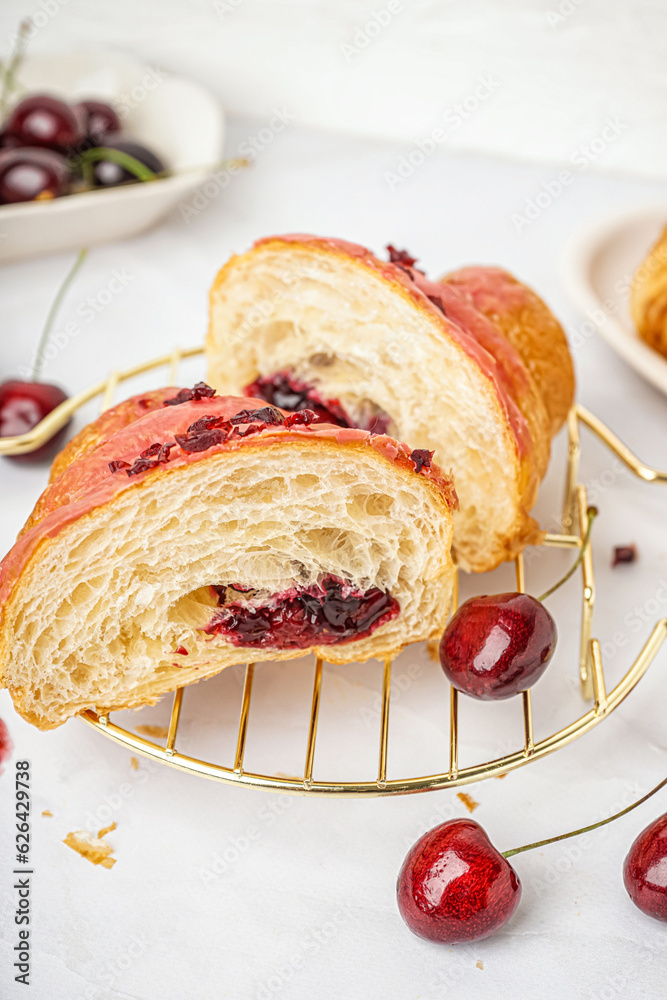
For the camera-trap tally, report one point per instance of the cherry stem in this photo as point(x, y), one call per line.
point(591, 514)
point(237, 163)
point(587, 829)
point(13, 64)
point(131, 163)
point(53, 312)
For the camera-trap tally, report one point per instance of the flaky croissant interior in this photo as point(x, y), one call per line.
point(362, 339)
point(100, 610)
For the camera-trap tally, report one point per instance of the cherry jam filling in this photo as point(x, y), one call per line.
point(290, 393)
point(332, 611)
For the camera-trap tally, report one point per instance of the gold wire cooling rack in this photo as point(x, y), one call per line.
point(591, 669)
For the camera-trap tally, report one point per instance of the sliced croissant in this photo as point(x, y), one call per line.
point(648, 296)
point(307, 321)
point(208, 531)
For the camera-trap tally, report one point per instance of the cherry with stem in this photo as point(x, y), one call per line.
point(455, 886)
point(498, 645)
point(24, 404)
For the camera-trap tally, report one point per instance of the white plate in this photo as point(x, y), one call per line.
point(597, 272)
point(180, 120)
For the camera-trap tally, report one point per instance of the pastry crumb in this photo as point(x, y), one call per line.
point(134, 763)
point(480, 963)
point(159, 732)
point(106, 829)
point(95, 850)
point(499, 776)
point(46, 812)
point(467, 801)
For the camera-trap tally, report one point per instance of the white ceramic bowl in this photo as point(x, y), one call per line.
point(180, 120)
point(597, 272)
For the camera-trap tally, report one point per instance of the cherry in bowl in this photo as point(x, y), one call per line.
point(43, 120)
point(99, 120)
point(32, 174)
point(107, 173)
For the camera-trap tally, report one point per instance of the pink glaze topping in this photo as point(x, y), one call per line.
point(476, 335)
point(89, 483)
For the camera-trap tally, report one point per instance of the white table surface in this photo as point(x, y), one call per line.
point(304, 907)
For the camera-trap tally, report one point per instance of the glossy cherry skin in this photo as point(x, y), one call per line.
point(645, 870)
point(30, 173)
point(99, 120)
point(42, 120)
point(22, 406)
point(108, 174)
point(455, 886)
point(6, 745)
point(496, 646)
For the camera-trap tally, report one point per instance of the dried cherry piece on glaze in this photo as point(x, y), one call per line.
point(305, 417)
point(437, 302)
point(192, 443)
point(422, 459)
point(151, 451)
point(142, 465)
point(400, 256)
point(206, 423)
point(265, 415)
point(200, 390)
point(118, 465)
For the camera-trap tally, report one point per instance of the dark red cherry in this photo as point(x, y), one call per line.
point(99, 120)
point(496, 646)
point(32, 174)
point(8, 141)
point(455, 886)
point(108, 174)
point(22, 406)
point(42, 120)
point(645, 870)
point(6, 745)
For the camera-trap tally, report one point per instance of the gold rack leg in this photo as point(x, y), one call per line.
point(312, 733)
point(384, 726)
point(529, 744)
point(640, 469)
point(520, 573)
point(453, 734)
point(599, 686)
point(174, 363)
point(174, 720)
point(574, 451)
point(585, 673)
point(243, 721)
point(109, 391)
point(455, 592)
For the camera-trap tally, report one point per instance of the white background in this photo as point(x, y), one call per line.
point(305, 907)
point(560, 68)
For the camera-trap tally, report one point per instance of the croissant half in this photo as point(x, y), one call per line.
point(186, 534)
point(648, 296)
point(474, 366)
